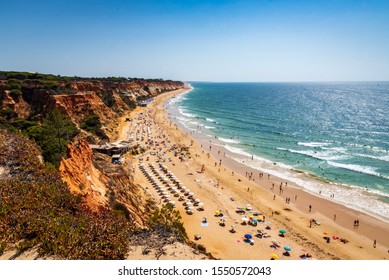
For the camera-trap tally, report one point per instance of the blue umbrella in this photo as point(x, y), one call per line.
point(248, 236)
point(287, 248)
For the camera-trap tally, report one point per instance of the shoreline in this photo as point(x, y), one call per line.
point(260, 192)
point(354, 197)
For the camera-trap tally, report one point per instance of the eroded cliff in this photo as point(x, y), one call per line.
point(32, 99)
point(102, 183)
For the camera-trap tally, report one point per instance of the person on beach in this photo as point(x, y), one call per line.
point(310, 208)
point(375, 243)
point(334, 217)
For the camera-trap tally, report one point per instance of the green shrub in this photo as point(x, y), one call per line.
point(7, 113)
point(14, 84)
point(37, 209)
point(53, 136)
point(16, 92)
point(168, 218)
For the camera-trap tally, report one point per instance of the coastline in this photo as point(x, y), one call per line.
point(297, 217)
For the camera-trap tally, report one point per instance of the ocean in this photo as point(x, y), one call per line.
point(331, 138)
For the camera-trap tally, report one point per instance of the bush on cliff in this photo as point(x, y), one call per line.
point(169, 219)
point(37, 209)
point(14, 84)
point(53, 136)
point(93, 125)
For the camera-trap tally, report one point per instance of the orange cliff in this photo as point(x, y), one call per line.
point(83, 104)
point(105, 184)
point(80, 99)
point(81, 176)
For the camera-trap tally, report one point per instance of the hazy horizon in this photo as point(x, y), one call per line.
point(216, 41)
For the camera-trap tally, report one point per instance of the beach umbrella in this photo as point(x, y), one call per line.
point(287, 248)
point(248, 236)
point(244, 219)
point(274, 257)
point(282, 231)
point(200, 204)
point(197, 200)
point(275, 243)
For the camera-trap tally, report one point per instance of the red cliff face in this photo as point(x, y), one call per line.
point(98, 181)
point(80, 99)
point(80, 175)
point(83, 104)
point(106, 184)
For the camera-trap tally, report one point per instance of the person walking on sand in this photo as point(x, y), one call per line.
point(375, 243)
point(310, 208)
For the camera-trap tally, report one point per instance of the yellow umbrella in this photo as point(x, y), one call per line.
point(274, 257)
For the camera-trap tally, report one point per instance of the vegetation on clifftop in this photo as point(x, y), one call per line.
point(22, 76)
point(53, 135)
point(37, 209)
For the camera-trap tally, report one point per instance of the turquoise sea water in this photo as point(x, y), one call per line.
point(336, 135)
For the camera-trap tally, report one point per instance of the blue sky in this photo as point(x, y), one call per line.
point(198, 40)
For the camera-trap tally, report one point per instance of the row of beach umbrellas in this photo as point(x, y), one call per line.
point(172, 184)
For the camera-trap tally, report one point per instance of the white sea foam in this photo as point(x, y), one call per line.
point(226, 140)
point(383, 158)
point(358, 168)
point(189, 115)
point(237, 151)
point(322, 155)
point(312, 144)
point(376, 149)
point(353, 197)
point(210, 120)
point(336, 149)
point(209, 127)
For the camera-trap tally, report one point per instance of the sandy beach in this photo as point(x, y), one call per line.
point(226, 185)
